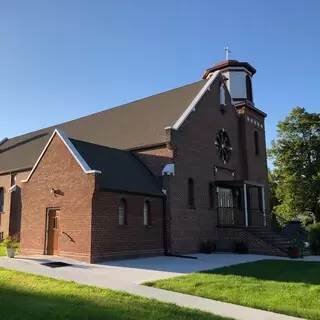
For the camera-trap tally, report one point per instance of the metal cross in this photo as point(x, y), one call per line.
point(226, 49)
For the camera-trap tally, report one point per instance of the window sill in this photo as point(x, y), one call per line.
point(125, 226)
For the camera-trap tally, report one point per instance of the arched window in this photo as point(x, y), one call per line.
point(146, 213)
point(222, 95)
point(211, 195)
point(256, 142)
point(1, 199)
point(249, 88)
point(122, 212)
point(190, 192)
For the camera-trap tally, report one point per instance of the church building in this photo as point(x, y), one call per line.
point(155, 176)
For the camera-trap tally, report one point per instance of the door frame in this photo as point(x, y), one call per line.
point(47, 227)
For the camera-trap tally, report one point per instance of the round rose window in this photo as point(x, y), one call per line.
point(223, 145)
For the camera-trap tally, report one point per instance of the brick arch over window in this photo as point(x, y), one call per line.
point(191, 192)
point(249, 88)
point(122, 212)
point(1, 199)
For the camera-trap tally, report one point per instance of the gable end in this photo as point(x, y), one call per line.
point(83, 164)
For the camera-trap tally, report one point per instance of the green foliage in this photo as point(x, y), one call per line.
point(272, 187)
point(240, 247)
point(2, 251)
point(207, 246)
point(314, 237)
point(296, 158)
point(288, 287)
point(11, 242)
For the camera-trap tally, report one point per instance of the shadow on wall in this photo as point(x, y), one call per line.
point(275, 270)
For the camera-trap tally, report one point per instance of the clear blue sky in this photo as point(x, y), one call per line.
point(62, 59)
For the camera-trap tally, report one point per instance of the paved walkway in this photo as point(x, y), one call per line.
point(127, 275)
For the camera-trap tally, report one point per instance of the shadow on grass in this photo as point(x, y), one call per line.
point(275, 270)
point(32, 304)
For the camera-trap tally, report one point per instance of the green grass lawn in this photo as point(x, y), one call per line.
point(26, 296)
point(288, 287)
point(2, 251)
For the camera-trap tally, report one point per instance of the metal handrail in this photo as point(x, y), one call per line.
point(275, 222)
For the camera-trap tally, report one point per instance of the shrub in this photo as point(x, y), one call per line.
point(207, 246)
point(314, 237)
point(11, 242)
point(240, 247)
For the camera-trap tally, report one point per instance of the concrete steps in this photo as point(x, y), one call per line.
point(274, 239)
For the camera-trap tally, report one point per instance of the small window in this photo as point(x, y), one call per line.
point(146, 213)
point(249, 88)
point(13, 179)
point(256, 142)
point(211, 195)
point(190, 192)
point(1, 199)
point(122, 212)
point(222, 95)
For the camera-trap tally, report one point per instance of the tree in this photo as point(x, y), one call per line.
point(272, 189)
point(296, 158)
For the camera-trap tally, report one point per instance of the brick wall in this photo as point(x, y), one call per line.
point(155, 158)
point(226, 236)
point(195, 156)
point(256, 163)
point(134, 239)
point(59, 170)
point(11, 216)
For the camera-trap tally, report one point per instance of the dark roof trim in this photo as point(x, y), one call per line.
point(248, 104)
point(229, 63)
point(132, 192)
point(151, 146)
point(15, 170)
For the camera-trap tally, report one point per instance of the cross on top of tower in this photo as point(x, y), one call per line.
point(227, 51)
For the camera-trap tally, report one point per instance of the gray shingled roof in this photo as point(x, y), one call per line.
point(121, 170)
point(136, 124)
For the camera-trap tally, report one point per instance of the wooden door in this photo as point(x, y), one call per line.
point(53, 232)
point(225, 206)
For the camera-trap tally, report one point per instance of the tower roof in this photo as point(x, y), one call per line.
point(229, 63)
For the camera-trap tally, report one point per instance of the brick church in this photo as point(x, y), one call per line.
point(154, 176)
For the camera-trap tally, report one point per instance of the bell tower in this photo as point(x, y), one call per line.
point(238, 79)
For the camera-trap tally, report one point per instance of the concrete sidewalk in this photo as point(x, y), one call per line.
point(128, 278)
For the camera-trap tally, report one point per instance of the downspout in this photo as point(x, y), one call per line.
point(165, 242)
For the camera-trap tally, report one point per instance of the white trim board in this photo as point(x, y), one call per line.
point(195, 101)
point(3, 141)
point(83, 164)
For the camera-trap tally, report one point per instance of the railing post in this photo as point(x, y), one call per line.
point(245, 204)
